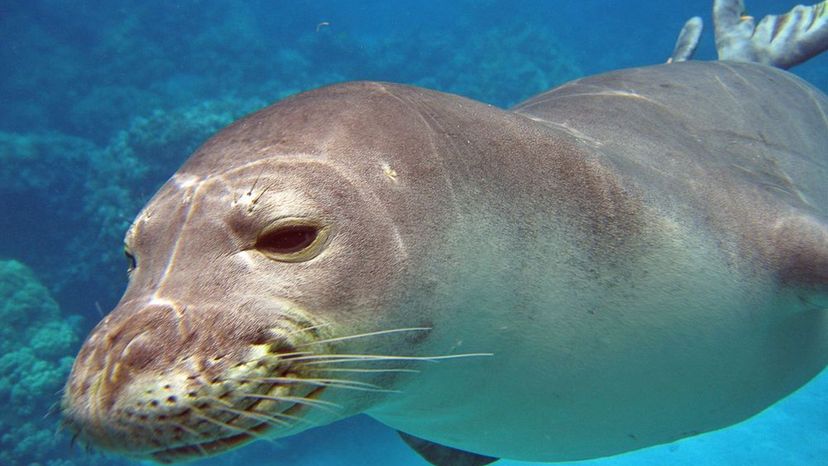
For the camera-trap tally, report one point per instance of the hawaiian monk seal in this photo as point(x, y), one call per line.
point(626, 260)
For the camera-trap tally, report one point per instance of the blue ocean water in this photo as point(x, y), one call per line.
point(100, 102)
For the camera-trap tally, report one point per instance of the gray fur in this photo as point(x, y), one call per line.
point(759, 132)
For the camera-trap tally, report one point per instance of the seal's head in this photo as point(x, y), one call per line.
point(257, 272)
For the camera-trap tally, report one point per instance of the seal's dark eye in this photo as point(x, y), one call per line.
point(287, 240)
point(130, 260)
point(292, 241)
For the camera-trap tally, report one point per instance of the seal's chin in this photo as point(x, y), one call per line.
point(264, 429)
point(210, 448)
point(200, 406)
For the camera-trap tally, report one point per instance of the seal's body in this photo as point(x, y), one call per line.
point(643, 253)
point(648, 260)
point(623, 261)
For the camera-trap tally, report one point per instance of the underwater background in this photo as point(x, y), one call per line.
point(101, 101)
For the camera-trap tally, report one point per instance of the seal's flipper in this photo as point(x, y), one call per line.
point(687, 41)
point(782, 41)
point(440, 455)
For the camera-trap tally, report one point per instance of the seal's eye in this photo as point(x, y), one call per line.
point(292, 240)
point(287, 240)
point(130, 260)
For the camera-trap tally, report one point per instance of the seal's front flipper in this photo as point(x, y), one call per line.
point(440, 455)
point(687, 41)
point(778, 40)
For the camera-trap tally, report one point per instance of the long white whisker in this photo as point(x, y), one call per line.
point(195, 435)
point(330, 358)
point(219, 423)
point(357, 370)
point(228, 407)
point(314, 381)
point(324, 405)
point(285, 356)
point(276, 416)
point(231, 426)
point(334, 383)
point(369, 334)
point(319, 381)
point(290, 355)
point(257, 416)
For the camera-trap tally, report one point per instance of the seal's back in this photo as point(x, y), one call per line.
point(741, 147)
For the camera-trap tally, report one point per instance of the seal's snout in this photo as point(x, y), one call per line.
point(157, 381)
point(127, 348)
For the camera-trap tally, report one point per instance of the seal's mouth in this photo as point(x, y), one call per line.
point(200, 407)
point(209, 448)
point(128, 396)
point(213, 447)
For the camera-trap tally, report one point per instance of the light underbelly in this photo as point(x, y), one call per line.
point(608, 371)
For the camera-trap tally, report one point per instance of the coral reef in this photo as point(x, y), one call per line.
point(36, 348)
point(42, 181)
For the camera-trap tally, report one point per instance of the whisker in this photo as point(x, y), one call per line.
point(146, 428)
point(324, 405)
point(52, 409)
point(295, 353)
point(254, 417)
point(312, 381)
point(369, 334)
point(255, 182)
point(62, 425)
point(333, 358)
point(286, 416)
point(360, 370)
point(274, 415)
point(285, 356)
point(279, 418)
point(334, 383)
point(195, 435)
point(228, 426)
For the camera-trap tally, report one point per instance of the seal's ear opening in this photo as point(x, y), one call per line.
point(292, 240)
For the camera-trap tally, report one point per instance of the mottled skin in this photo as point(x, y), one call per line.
point(643, 252)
